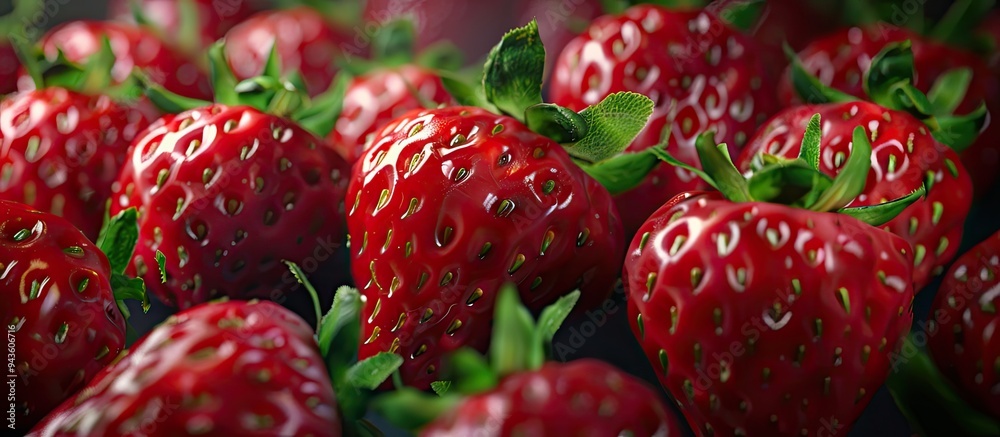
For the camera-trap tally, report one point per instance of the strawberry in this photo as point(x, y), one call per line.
point(447, 204)
point(517, 393)
point(9, 65)
point(908, 154)
point(766, 318)
point(230, 190)
point(701, 74)
point(306, 43)
point(58, 293)
point(14, 29)
point(841, 59)
point(559, 21)
point(964, 313)
point(61, 148)
point(226, 368)
point(133, 46)
point(193, 25)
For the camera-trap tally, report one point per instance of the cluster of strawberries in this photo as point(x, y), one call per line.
point(771, 213)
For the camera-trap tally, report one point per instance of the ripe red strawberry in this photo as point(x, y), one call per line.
point(764, 318)
point(450, 203)
point(701, 74)
point(584, 397)
point(841, 59)
point(223, 368)
point(907, 155)
point(9, 65)
point(58, 304)
point(193, 25)
point(133, 46)
point(60, 151)
point(376, 98)
point(518, 393)
point(964, 346)
point(229, 192)
point(306, 43)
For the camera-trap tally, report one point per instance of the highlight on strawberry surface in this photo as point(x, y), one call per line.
point(526, 218)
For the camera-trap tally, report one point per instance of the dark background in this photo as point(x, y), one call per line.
point(612, 340)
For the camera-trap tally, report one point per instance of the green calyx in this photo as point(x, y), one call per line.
point(16, 25)
point(796, 182)
point(91, 78)
point(595, 137)
point(117, 240)
point(338, 335)
point(519, 344)
point(889, 83)
point(271, 92)
point(929, 401)
point(394, 45)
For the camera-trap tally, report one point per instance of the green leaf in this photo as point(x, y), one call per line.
point(394, 42)
point(441, 55)
point(124, 288)
point(223, 80)
point(744, 15)
point(463, 92)
point(788, 183)
point(851, 180)
point(960, 131)
point(560, 124)
point(626, 171)
point(963, 15)
point(161, 264)
point(320, 116)
point(715, 161)
point(665, 156)
point(340, 332)
point(933, 406)
point(272, 67)
point(118, 238)
point(373, 371)
point(878, 215)
point(470, 372)
point(808, 87)
point(549, 321)
point(512, 333)
point(300, 276)
point(809, 152)
point(412, 409)
point(512, 77)
point(440, 387)
point(97, 71)
point(28, 55)
point(188, 33)
point(612, 124)
point(949, 90)
point(165, 100)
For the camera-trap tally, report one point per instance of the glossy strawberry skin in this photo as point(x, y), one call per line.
point(378, 97)
point(215, 17)
point(964, 344)
point(60, 151)
point(133, 47)
point(69, 327)
point(228, 193)
point(225, 368)
point(583, 397)
point(448, 205)
point(701, 74)
point(932, 225)
point(766, 319)
point(840, 59)
point(306, 43)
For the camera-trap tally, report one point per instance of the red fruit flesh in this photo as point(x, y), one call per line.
point(306, 44)
point(55, 293)
point(9, 66)
point(584, 397)
point(701, 74)
point(214, 17)
point(763, 319)
point(60, 151)
point(229, 368)
point(904, 156)
point(228, 193)
point(448, 205)
point(965, 345)
point(840, 60)
point(133, 47)
point(376, 98)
